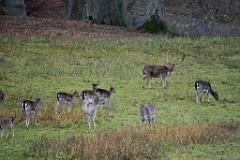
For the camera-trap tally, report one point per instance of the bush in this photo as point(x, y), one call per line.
point(153, 25)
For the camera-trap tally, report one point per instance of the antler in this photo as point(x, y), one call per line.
point(183, 57)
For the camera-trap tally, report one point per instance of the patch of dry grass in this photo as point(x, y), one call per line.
point(131, 142)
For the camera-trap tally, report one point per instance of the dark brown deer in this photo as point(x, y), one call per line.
point(203, 87)
point(103, 95)
point(63, 98)
point(152, 71)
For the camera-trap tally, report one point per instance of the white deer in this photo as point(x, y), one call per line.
point(89, 107)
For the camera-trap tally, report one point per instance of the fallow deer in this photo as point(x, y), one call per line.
point(1, 95)
point(6, 122)
point(152, 71)
point(31, 107)
point(65, 98)
point(203, 87)
point(147, 112)
point(103, 95)
point(89, 108)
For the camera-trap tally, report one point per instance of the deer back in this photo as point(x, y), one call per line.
point(154, 70)
point(150, 110)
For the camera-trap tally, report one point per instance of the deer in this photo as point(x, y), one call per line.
point(1, 95)
point(161, 71)
point(147, 112)
point(88, 94)
point(6, 122)
point(30, 107)
point(103, 95)
point(89, 107)
point(203, 87)
point(65, 98)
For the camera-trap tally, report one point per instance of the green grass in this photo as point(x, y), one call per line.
point(41, 67)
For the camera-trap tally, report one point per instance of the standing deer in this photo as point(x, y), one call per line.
point(7, 122)
point(152, 71)
point(147, 112)
point(89, 108)
point(65, 98)
point(31, 107)
point(89, 93)
point(203, 87)
point(103, 95)
point(1, 95)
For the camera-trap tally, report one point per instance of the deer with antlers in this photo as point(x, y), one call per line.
point(152, 71)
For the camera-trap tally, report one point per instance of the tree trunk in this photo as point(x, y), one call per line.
point(15, 7)
point(116, 12)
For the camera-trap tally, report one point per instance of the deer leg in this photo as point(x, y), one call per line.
point(56, 107)
point(7, 132)
point(27, 121)
point(208, 97)
point(1, 132)
point(89, 122)
point(144, 77)
point(197, 97)
point(35, 119)
point(163, 81)
point(94, 123)
point(69, 107)
point(202, 97)
point(148, 81)
point(12, 131)
point(63, 108)
point(150, 123)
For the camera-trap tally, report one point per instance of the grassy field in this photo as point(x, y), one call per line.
point(40, 67)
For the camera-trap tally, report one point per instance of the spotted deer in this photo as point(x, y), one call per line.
point(6, 122)
point(103, 95)
point(63, 98)
point(152, 71)
point(31, 107)
point(147, 112)
point(203, 87)
point(89, 107)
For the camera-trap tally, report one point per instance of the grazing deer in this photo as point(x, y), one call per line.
point(89, 108)
point(1, 95)
point(152, 71)
point(147, 112)
point(203, 87)
point(103, 95)
point(7, 122)
point(30, 107)
point(65, 98)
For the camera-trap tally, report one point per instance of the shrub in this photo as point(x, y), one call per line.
point(153, 25)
